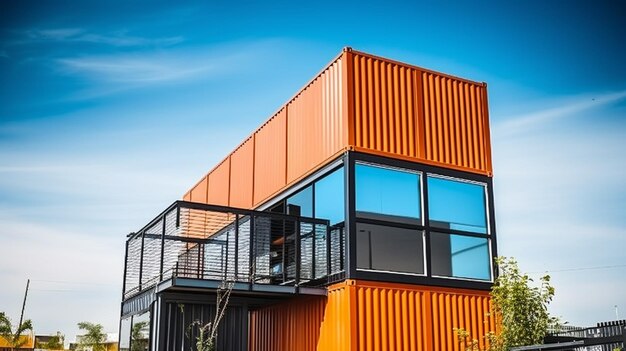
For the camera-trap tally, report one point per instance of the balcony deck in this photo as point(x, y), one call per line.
point(198, 247)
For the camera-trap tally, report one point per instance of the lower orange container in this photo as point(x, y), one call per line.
point(373, 316)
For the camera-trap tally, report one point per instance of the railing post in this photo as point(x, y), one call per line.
point(198, 275)
point(298, 255)
point(125, 270)
point(313, 235)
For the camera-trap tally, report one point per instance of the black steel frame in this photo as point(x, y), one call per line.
point(316, 224)
point(352, 272)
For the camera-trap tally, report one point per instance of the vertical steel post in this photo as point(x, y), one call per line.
point(298, 256)
point(162, 247)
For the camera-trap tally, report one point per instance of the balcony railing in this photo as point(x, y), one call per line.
point(199, 241)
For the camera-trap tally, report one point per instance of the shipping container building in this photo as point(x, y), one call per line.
point(360, 216)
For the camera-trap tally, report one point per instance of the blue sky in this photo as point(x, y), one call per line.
point(111, 110)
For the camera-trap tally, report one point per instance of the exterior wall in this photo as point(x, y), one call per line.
point(364, 103)
point(407, 112)
point(372, 316)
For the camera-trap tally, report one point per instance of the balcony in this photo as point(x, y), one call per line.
point(192, 246)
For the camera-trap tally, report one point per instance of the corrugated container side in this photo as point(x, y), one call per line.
point(219, 184)
point(455, 123)
point(408, 317)
point(384, 107)
point(316, 130)
point(270, 157)
point(469, 311)
point(338, 327)
point(415, 114)
point(199, 192)
point(291, 325)
point(241, 175)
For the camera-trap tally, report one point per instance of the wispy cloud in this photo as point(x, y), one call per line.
point(557, 109)
point(117, 39)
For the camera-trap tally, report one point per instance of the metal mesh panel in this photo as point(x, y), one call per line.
point(214, 259)
point(337, 245)
point(321, 262)
point(262, 231)
point(243, 259)
point(151, 261)
point(306, 251)
point(133, 261)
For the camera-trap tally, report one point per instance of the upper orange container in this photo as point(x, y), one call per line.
point(358, 102)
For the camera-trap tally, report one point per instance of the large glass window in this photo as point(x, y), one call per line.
point(456, 205)
point(389, 248)
point(330, 197)
point(301, 204)
point(460, 256)
point(388, 192)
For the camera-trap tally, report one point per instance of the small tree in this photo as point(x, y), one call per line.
point(56, 342)
point(94, 337)
point(207, 333)
point(521, 310)
point(11, 336)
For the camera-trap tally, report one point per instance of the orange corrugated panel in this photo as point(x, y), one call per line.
point(316, 129)
point(411, 317)
point(270, 157)
point(411, 113)
point(241, 175)
point(291, 325)
point(338, 328)
point(219, 184)
point(199, 192)
point(456, 124)
point(384, 106)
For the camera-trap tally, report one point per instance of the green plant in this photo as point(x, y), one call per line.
point(13, 336)
point(94, 337)
point(520, 310)
point(207, 332)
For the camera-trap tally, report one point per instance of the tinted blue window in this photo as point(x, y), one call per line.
point(456, 205)
point(460, 256)
point(387, 191)
point(330, 197)
point(301, 204)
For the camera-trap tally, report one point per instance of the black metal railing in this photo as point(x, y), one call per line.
point(201, 241)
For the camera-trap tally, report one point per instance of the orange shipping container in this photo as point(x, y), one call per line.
point(373, 316)
point(364, 103)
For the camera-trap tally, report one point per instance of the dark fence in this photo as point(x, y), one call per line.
point(606, 336)
point(201, 241)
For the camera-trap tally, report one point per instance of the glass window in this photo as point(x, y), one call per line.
point(140, 333)
point(330, 197)
point(386, 191)
point(301, 203)
point(125, 334)
point(460, 256)
point(389, 249)
point(456, 205)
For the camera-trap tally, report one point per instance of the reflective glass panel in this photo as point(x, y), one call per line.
point(456, 205)
point(384, 191)
point(389, 248)
point(301, 203)
point(125, 334)
point(460, 256)
point(140, 332)
point(330, 197)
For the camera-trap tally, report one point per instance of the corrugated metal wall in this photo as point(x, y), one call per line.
point(411, 113)
point(241, 175)
point(365, 103)
point(177, 333)
point(373, 316)
point(315, 125)
point(291, 325)
point(270, 157)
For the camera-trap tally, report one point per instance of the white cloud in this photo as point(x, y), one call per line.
point(116, 39)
